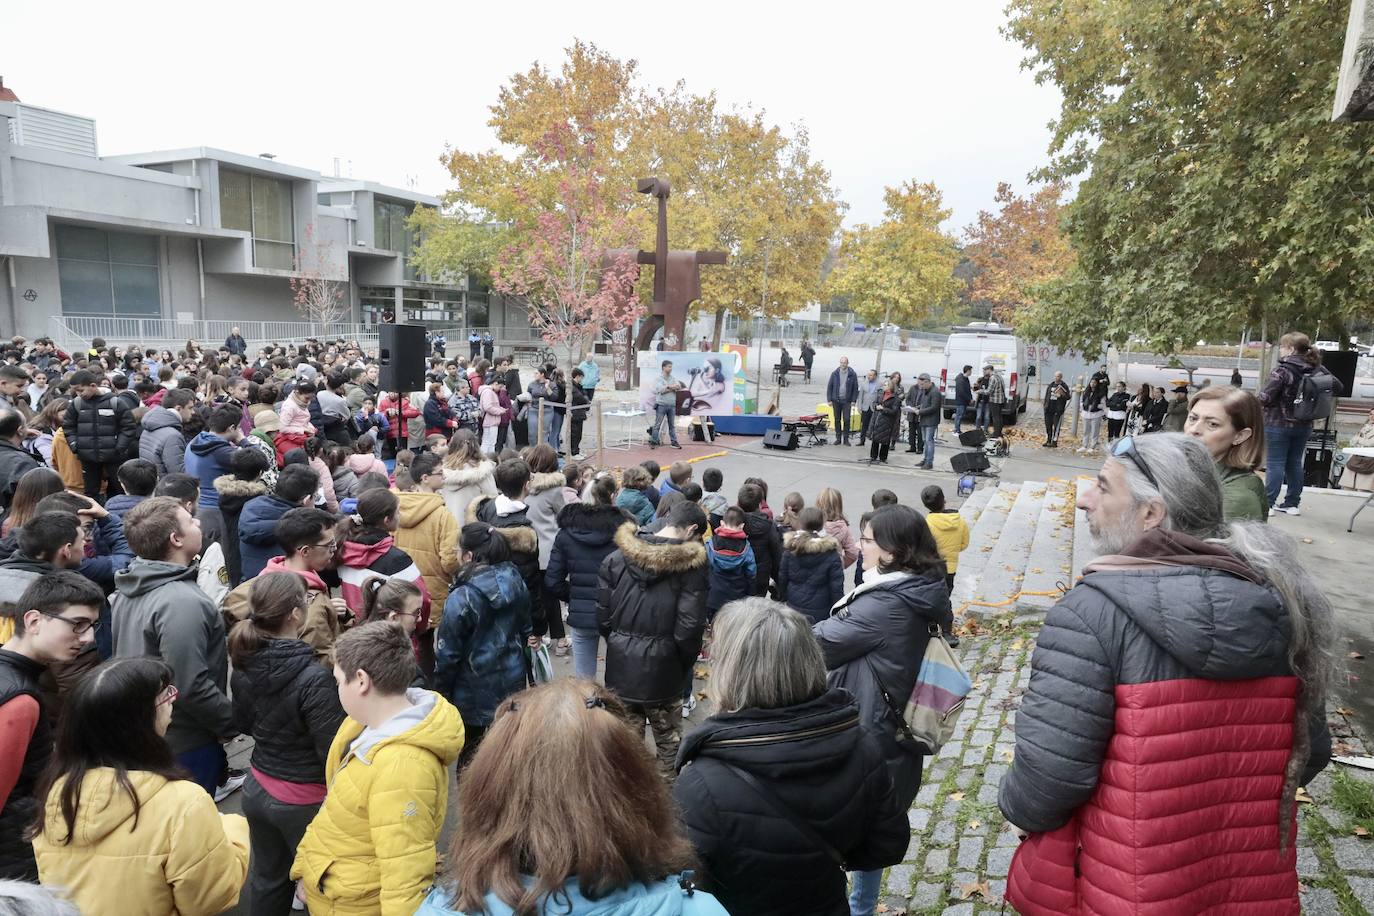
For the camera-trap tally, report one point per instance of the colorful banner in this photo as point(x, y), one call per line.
point(708, 380)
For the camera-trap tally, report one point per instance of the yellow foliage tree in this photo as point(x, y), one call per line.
point(1018, 249)
point(901, 270)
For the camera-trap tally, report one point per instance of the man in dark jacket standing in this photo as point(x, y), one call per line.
point(963, 397)
point(1057, 396)
point(100, 428)
point(842, 390)
point(209, 457)
point(925, 416)
point(235, 343)
point(14, 461)
point(160, 611)
point(651, 608)
point(1135, 646)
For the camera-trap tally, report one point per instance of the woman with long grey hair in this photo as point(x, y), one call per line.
point(1176, 702)
point(782, 785)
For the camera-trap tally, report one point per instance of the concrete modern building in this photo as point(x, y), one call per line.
point(174, 243)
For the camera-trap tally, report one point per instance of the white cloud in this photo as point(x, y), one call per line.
point(888, 91)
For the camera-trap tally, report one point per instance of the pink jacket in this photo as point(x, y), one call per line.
point(295, 418)
point(849, 548)
point(492, 411)
point(365, 464)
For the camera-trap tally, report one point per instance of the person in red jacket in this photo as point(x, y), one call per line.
point(1175, 704)
point(396, 408)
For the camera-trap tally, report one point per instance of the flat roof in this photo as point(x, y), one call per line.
point(240, 160)
point(338, 185)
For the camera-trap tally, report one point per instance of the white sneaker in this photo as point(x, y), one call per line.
point(1273, 511)
point(1291, 510)
point(690, 705)
point(232, 784)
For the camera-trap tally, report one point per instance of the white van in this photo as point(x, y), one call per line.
point(986, 343)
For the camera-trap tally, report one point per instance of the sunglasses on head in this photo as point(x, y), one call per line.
point(1125, 448)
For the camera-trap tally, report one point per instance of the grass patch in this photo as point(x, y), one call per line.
point(1353, 798)
point(1320, 832)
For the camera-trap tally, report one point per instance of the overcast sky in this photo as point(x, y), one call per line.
point(889, 91)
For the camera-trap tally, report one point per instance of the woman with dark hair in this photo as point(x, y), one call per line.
point(290, 707)
point(479, 651)
point(438, 415)
point(32, 487)
point(874, 641)
point(778, 723)
point(122, 820)
point(515, 853)
point(369, 549)
point(1286, 435)
point(887, 422)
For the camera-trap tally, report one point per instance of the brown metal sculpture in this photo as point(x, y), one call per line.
point(677, 284)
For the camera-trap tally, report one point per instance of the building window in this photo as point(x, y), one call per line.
point(108, 273)
point(261, 206)
point(389, 225)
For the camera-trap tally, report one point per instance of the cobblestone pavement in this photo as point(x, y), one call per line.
point(961, 847)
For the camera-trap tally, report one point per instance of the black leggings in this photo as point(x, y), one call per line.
point(1114, 427)
point(877, 451)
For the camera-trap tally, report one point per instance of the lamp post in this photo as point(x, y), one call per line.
point(758, 324)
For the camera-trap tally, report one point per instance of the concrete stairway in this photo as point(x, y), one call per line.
point(1027, 545)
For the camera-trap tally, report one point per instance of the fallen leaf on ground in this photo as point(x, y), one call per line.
point(1341, 749)
point(956, 796)
point(1302, 797)
point(1345, 711)
point(974, 825)
point(1355, 655)
point(1007, 755)
point(1361, 832)
point(975, 889)
point(1307, 540)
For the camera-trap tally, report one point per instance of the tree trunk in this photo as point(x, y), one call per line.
point(719, 329)
point(882, 338)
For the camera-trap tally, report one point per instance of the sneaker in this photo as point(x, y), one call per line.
point(579, 457)
point(1273, 511)
point(1291, 510)
point(232, 783)
point(690, 705)
point(677, 445)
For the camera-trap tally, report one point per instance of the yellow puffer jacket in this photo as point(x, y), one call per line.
point(951, 535)
point(182, 857)
point(429, 533)
point(371, 847)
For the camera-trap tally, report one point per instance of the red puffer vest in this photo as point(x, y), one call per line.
point(1185, 815)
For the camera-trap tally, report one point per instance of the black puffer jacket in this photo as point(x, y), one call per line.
point(290, 705)
point(828, 772)
point(887, 418)
point(811, 579)
point(586, 536)
point(523, 541)
point(101, 429)
point(19, 677)
point(651, 607)
point(881, 631)
point(767, 543)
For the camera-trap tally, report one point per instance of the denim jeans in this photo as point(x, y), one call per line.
point(204, 763)
point(864, 898)
point(1284, 449)
point(585, 645)
point(275, 829)
point(981, 416)
point(928, 438)
point(553, 427)
point(664, 413)
point(959, 411)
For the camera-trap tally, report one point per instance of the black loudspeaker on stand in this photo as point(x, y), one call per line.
point(401, 356)
point(964, 462)
point(780, 439)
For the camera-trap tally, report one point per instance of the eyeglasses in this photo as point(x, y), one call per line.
point(168, 696)
point(330, 546)
point(79, 627)
point(1125, 448)
point(864, 540)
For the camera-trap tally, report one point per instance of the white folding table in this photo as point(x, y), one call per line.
point(630, 421)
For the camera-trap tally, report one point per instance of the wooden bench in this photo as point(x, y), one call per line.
point(794, 369)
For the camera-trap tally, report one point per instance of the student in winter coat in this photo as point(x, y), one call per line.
point(100, 429)
point(631, 497)
point(399, 412)
point(235, 490)
point(437, 414)
point(209, 457)
point(371, 847)
point(1285, 436)
point(364, 459)
point(631, 865)
point(257, 523)
point(544, 502)
point(831, 505)
point(369, 549)
point(948, 528)
point(1141, 726)
point(467, 474)
point(651, 608)
point(730, 559)
point(763, 537)
point(586, 536)
point(163, 442)
point(508, 513)
point(479, 652)
point(135, 828)
point(811, 578)
point(874, 640)
point(289, 705)
point(307, 537)
point(427, 531)
point(780, 724)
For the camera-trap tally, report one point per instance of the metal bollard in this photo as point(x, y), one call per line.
point(1077, 403)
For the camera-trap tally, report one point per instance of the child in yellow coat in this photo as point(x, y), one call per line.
point(947, 527)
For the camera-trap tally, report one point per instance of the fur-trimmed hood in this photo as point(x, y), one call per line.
point(470, 476)
point(591, 524)
point(233, 493)
point(804, 542)
point(658, 556)
point(541, 482)
point(520, 539)
point(515, 528)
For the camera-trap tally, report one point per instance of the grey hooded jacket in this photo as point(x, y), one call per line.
point(160, 611)
point(163, 443)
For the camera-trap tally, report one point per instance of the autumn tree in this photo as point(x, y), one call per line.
point(556, 261)
point(901, 270)
point(1216, 194)
point(318, 288)
point(1017, 250)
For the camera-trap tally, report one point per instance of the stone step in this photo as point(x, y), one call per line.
point(1083, 551)
point(1051, 553)
point(1001, 582)
point(982, 541)
point(974, 504)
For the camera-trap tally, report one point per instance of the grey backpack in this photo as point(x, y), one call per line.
point(1315, 396)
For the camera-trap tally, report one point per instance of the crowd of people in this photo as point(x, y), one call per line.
point(238, 550)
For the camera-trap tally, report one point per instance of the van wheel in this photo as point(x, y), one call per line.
point(1009, 419)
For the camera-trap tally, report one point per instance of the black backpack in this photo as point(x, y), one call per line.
point(1314, 398)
